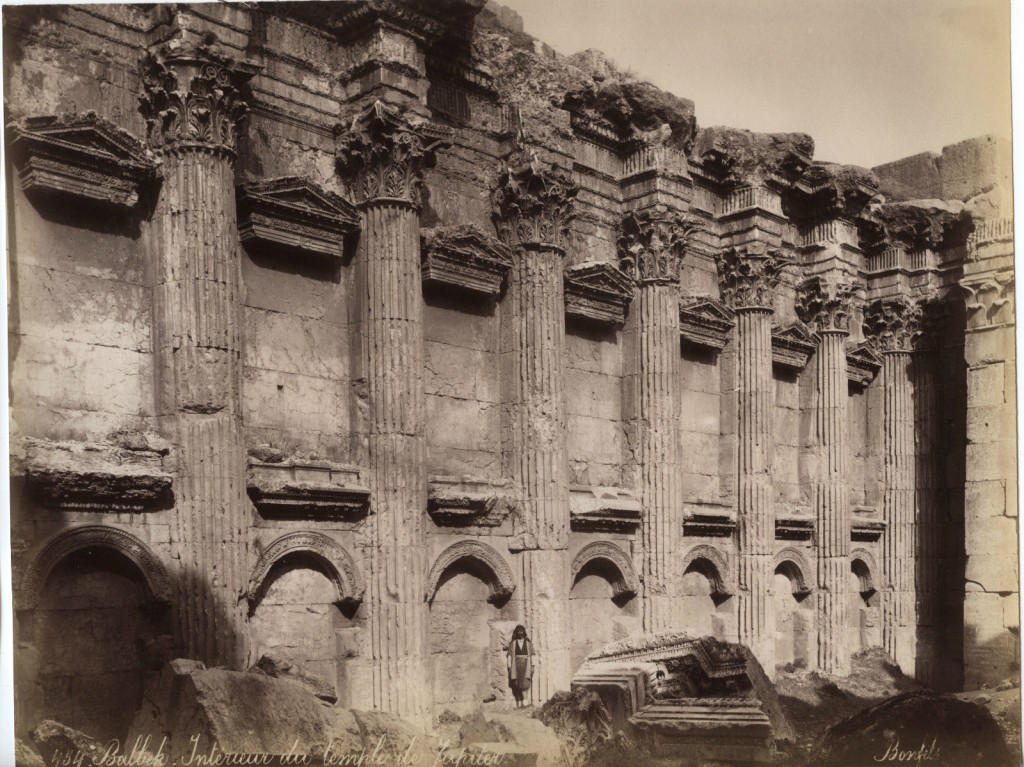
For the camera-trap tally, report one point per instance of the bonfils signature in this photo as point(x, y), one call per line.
point(926, 753)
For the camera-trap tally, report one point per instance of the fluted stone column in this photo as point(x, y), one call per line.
point(748, 279)
point(383, 154)
point(652, 245)
point(533, 204)
point(893, 326)
point(192, 106)
point(826, 308)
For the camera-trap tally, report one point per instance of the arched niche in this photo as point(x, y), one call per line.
point(862, 566)
point(157, 581)
point(332, 559)
point(793, 564)
point(712, 564)
point(613, 563)
point(479, 559)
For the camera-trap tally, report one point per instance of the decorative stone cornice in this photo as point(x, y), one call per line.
point(454, 502)
point(82, 157)
point(893, 325)
point(789, 528)
point(652, 243)
point(827, 191)
point(463, 257)
point(989, 299)
point(291, 490)
point(705, 322)
point(295, 215)
point(383, 152)
point(192, 99)
point(748, 275)
point(792, 346)
point(533, 202)
point(603, 510)
point(862, 364)
point(711, 520)
point(597, 291)
point(825, 305)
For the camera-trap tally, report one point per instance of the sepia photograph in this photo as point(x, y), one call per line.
point(533, 383)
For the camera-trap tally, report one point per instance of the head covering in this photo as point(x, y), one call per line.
point(518, 629)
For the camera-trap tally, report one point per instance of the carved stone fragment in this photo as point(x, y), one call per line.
point(463, 257)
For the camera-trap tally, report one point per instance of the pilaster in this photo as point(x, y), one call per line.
point(826, 306)
point(893, 325)
point(382, 154)
point(192, 106)
point(748, 278)
point(532, 207)
point(652, 244)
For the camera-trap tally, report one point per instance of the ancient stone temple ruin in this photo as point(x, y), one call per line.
point(356, 333)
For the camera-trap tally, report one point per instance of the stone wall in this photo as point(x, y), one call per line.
point(423, 331)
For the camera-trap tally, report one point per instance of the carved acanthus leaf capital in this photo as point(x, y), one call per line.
point(192, 99)
point(826, 305)
point(653, 241)
point(989, 299)
point(893, 325)
point(384, 152)
point(533, 201)
point(749, 275)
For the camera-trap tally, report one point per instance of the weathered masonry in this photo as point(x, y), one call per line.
point(356, 333)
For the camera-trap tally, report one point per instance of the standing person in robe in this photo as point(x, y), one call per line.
point(520, 664)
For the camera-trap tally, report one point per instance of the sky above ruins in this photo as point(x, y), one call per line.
point(871, 80)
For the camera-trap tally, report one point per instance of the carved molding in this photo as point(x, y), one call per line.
point(653, 241)
point(597, 291)
point(338, 564)
point(307, 491)
point(192, 99)
point(868, 529)
point(463, 257)
point(792, 346)
point(989, 299)
point(798, 569)
point(862, 364)
point(825, 305)
point(152, 569)
point(294, 215)
point(794, 528)
point(533, 202)
point(486, 563)
point(706, 322)
point(82, 157)
point(603, 510)
point(713, 565)
point(893, 325)
point(749, 275)
point(464, 503)
point(626, 584)
point(867, 582)
point(383, 153)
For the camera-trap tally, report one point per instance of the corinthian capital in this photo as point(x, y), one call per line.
point(533, 202)
point(749, 275)
point(192, 99)
point(652, 243)
point(826, 305)
point(383, 153)
point(893, 325)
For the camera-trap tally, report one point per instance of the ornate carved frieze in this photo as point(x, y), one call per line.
point(825, 305)
point(748, 275)
point(653, 241)
point(383, 153)
point(603, 509)
point(893, 325)
point(792, 346)
point(293, 490)
point(989, 299)
point(465, 258)
point(705, 322)
point(81, 157)
point(862, 364)
point(73, 476)
point(827, 191)
point(709, 520)
point(339, 565)
point(192, 99)
point(533, 202)
point(461, 502)
point(794, 528)
point(597, 291)
point(296, 216)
